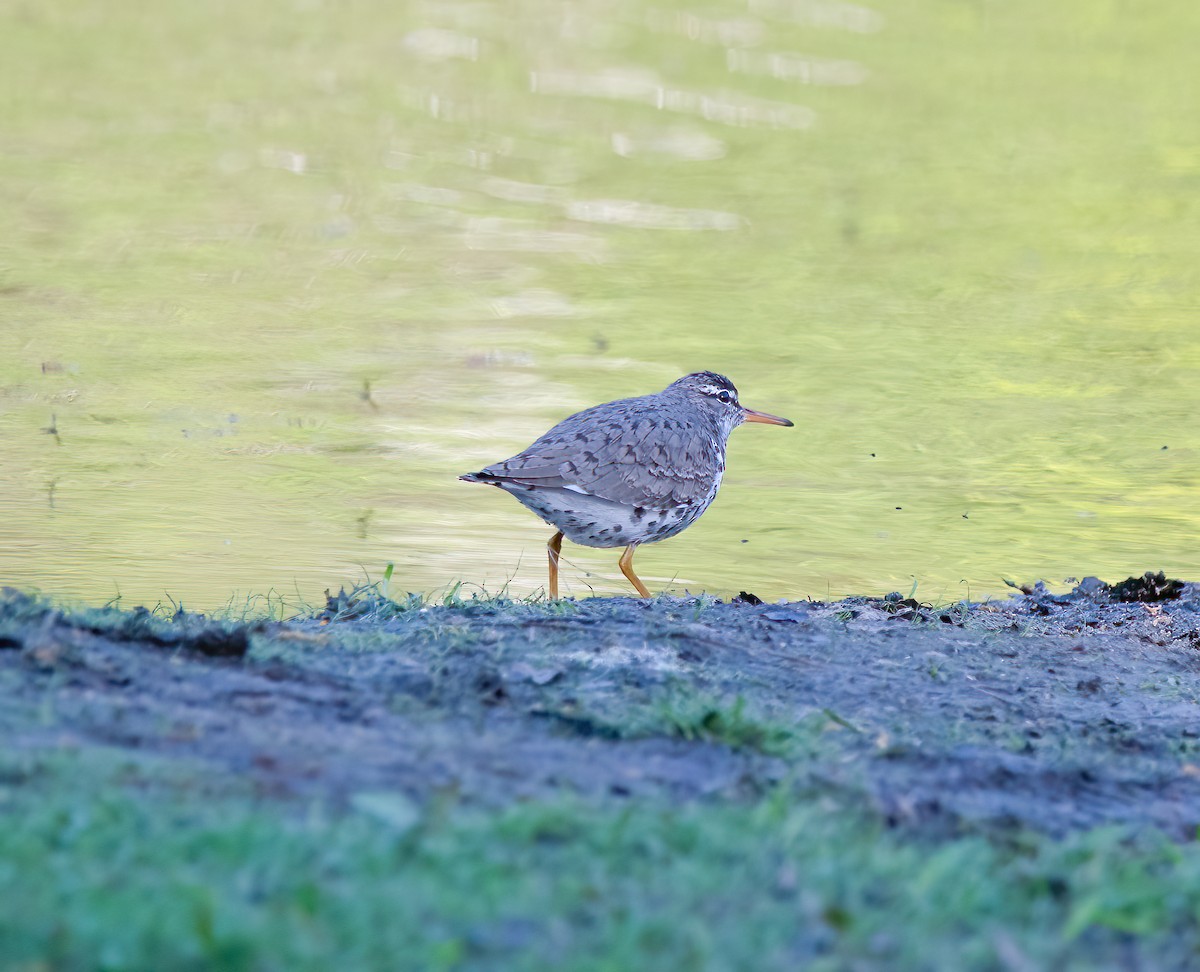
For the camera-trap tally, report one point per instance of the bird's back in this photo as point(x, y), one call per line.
point(651, 451)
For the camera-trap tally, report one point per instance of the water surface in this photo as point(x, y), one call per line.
point(272, 275)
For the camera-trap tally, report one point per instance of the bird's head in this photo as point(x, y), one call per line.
point(717, 396)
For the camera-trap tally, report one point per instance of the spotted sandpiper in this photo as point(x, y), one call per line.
point(633, 471)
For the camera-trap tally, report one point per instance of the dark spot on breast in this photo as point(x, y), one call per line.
point(638, 512)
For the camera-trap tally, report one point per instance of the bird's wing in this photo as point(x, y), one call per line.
point(627, 452)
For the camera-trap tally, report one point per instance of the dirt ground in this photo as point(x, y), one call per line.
point(1046, 711)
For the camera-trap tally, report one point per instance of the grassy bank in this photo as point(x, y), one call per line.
point(604, 784)
point(130, 866)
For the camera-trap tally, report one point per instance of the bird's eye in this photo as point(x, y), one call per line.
point(724, 398)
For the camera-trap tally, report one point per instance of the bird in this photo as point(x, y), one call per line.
point(637, 470)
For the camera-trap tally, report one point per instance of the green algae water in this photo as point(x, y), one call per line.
point(272, 275)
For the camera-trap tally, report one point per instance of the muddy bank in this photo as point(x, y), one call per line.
point(1055, 712)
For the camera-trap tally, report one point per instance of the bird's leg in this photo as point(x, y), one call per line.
point(554, 548)
point(626, 562)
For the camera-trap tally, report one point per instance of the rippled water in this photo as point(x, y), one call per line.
point(273, 275)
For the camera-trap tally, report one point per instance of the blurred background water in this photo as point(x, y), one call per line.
point(273, 274)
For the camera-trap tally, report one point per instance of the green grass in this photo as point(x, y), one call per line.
point(693, 717)
point(128, 868)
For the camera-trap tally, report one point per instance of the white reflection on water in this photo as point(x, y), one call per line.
point(497, 233)
point(289, 161)
point(534, 303)
point(437, 44)
point(722, 107)
point(523, 192)
point(796, 67)
point(727, 32)
point(821, 13)
point(687, 146)
point(628, 212)
point(429, 195)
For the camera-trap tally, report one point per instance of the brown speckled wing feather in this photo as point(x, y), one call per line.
point(631, 451)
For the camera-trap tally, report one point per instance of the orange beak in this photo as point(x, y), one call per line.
point(753, 416)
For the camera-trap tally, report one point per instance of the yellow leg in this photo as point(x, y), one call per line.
point(627, 569)
point(554, 548)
